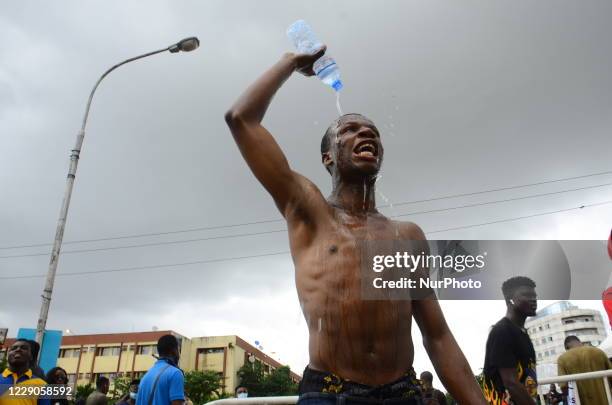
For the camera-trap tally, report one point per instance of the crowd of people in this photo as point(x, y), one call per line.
point(509, 375)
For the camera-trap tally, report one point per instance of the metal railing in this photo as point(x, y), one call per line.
point(256, 401)
point(604, 375)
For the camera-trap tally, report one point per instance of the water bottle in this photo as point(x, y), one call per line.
point(305, 41)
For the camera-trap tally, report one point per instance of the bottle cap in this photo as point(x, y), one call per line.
point(337, 85)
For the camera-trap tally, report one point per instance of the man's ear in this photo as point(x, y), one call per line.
point(327, 160)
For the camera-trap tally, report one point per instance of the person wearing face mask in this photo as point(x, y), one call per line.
point(241, 392)
point(164, 383)
point(130, 397)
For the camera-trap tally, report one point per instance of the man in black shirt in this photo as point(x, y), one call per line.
point(510, 367)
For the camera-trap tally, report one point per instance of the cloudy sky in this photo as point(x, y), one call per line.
point(469, 97)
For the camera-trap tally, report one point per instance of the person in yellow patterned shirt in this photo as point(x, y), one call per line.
point(18, 376)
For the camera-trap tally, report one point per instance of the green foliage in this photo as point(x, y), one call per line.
point(277, 383)
point(83, 391)
point(251, 376)
point(3, 364)
point(203, 386)
point(121, 387)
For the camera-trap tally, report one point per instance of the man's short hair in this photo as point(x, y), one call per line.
point(426, 375)
point(512, 284)
point(102, 381)
point(135, 382)
point(166, 344)
point(570, 339)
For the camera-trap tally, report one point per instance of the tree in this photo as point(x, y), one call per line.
point(279, 383)
point(121, 387)
point(251, 376)
point(83, 391)
point(203, 386)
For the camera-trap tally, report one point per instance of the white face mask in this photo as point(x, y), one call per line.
point(133, 395)
point(243, 394)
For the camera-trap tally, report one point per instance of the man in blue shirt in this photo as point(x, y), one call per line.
point(164, 383)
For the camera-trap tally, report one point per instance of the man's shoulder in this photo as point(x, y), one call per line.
point(409, 230)
point(594, 351)
point(565, 357)
point(500, 326)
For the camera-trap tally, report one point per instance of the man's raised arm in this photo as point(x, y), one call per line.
point(258, 147)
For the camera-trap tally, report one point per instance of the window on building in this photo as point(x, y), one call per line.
point(550, 339)
point(553, 351)
point(214, 350)
point(546, 353)
point(108, 351)
point(148, 349)
point(540, 328)
point(126, 348)
point(547, 326)
point(68, 353)
point(84, 376)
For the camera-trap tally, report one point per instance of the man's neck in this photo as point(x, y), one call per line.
point(516, 318)
point(355, 197)
point(19, 370)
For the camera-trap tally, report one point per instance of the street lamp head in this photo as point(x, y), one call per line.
point(185, 45)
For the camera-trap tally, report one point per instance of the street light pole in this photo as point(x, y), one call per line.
point(185, 45)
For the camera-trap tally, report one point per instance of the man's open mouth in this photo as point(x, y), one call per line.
point(367, 150)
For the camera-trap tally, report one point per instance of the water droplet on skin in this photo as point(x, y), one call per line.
point(320, 325)
point(364, 194)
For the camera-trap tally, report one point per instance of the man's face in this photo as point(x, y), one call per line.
point(425, 383)
point(356, 147)
point(19, 354)
point(526, 300)
point(134, 388)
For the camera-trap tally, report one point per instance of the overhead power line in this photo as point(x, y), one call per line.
point(240, 235)
point(207, 228)
point(126, 269)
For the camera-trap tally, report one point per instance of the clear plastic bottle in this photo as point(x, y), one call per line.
point(305, 41)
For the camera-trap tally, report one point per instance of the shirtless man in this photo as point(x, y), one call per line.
point(357, 347)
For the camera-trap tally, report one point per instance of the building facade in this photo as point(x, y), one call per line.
point(114, 355)
point(552, 324)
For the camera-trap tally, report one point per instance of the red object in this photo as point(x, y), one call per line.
point(607, 302)
point(610, 245)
